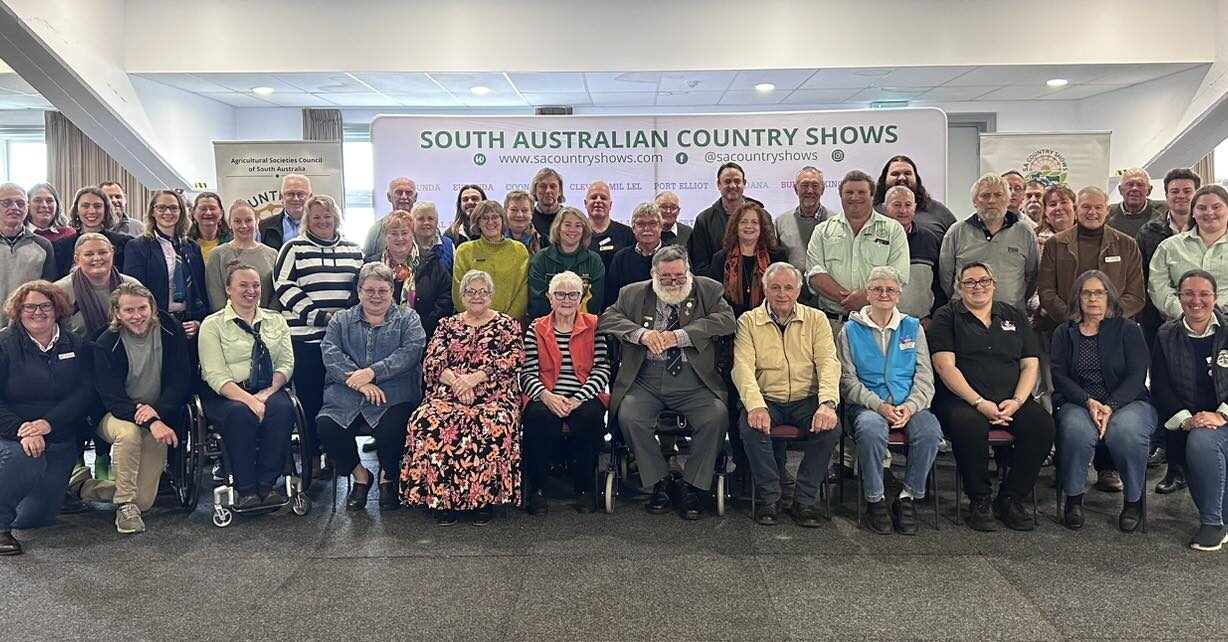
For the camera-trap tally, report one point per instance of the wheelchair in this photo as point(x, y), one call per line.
point(206, 444)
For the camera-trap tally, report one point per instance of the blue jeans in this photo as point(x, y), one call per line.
point(869, 429)
point(762, 454)
point(1128, 439)
point(32, 488)
point(1206, 469)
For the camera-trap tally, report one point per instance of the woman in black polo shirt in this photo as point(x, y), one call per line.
point(987, 358)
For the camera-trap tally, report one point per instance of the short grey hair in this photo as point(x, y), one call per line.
point(884, 272)
point(13, 187)
point(898, 189)
point(422, 206)
point(566, 277)
point(989, 179)
point(376, 270)
point(781, 266)
point(1092, 190)
point(663, 194)
point(648, 211)
point(670, 253)
point(474, 275)
point(296, 177)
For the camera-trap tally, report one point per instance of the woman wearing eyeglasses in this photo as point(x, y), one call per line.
point(988, 358)
point(565, 378)
point(169, 263)
point(506, 261)
point(1100, 365)
point(463, 450)
point(373, 360)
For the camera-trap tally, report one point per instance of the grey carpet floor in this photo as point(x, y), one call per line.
point(626, 576)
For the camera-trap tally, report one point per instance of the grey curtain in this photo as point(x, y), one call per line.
point(322, 124)
point(74, 161)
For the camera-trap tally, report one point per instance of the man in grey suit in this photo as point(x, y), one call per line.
point(668, 328)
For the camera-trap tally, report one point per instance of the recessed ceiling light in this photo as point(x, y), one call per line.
point(1057, 82)
point(479, 90)
point(262, 91)
point(765, 87)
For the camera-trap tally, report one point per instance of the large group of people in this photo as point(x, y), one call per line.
point(483, 356)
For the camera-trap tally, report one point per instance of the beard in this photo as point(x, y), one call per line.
point(674, 294)
point(990, 215)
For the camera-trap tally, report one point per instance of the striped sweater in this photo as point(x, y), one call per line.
point(568, 385)
point(314, 278)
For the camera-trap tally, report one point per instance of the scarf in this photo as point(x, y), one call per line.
point(403, 273)
point(261, 376)
point(91, 310)
point(182, 278)
point(733, 277)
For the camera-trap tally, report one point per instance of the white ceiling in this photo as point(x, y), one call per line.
point(800, 87)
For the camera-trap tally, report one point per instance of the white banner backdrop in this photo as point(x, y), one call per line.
point(252, 170)
point(642, 155)
point(1079, 159)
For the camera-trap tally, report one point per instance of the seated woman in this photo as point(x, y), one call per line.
point(570, 235)
point(46, 391)
point(748, 248)
point(463, 449)
point(88, 287)
point(505, 261)
point(888, 384)
point(987, 357)
point(46, 215)
point(565, 378)
point(1100, 391)
point(246, 361)
point(169, 263)
point(373, 377)
point(90, 212)
point(242, 248)
point(1190, 387)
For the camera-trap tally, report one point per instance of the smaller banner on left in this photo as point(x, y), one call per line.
point(252, 170)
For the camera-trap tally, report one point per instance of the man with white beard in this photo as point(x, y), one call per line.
point(669, 329)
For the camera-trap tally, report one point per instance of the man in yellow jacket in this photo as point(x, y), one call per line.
point(786, 370)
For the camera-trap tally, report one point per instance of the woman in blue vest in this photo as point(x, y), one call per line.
point(887, 383)
point(1100, 391)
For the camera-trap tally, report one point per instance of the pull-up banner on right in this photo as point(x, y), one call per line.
point(1078, 159)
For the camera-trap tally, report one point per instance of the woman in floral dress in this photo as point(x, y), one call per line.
point(463, 449)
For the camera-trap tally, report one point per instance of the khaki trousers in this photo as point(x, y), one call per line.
point(137, 460)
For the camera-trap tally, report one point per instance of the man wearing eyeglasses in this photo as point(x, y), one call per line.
point(28, 256)
point(672, 232)
point(277, 230)
point(634, 264)
point(669, 329)
point(995, 236)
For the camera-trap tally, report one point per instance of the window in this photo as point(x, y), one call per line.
point(24, 152)
point(359, 170)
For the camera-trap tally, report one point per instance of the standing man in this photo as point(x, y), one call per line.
point(1034, 201)
point(1179, 187)
point(24, 255)
point(901, 170)
point(402, 194)
point(634, 264)
point(994, 236)
point(609, 236)
point(672, 232)
point(845, 247)
point(279, 229)
point(119, 205)
point(1018, 192)
point(794, 228)
point(923, 295)
point(547, 189)
point(1135, 207)
point(710, 224)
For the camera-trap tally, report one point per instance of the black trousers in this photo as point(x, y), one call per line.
point(309, 386)
point(390, 432)
point(542, 433)
point(968, 432)
point(1174, 444)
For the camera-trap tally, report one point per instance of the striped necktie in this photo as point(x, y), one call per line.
point(673, 356)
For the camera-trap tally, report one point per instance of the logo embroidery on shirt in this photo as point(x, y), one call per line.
point(1008, 326)
point(1221, 359)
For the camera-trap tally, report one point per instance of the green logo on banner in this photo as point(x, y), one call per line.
point(681, 158)
point(479, 159)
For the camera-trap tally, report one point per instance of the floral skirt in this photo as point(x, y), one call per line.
point(460, 457)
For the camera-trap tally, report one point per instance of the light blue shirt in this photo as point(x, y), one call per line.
point(289, 228)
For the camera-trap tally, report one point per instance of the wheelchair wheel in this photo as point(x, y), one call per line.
point(301, 447)
point(719, 487)
point(301, 504)
point(608, 490)
point(222, 516)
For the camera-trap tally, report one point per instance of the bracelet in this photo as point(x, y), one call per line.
point(1017, 400)
point(977, 403)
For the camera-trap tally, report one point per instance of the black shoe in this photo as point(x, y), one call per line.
point(980, 515)
point(765, 514)
point(838, 472)
point(248, 501)
point(276, 497)
point(659, 503)
point(1131, 516)
point(389, 498)
point(9, 544)
point(1209, 538)
point(219, 473)
point(692, 509)
point(805, 516)
point(904, 516)
point(1072, 516)
point(357, 499)
point(72, 505)
point(878, 519)
point(537, 504)
point(584, 502)
point(1174, 480)
point(445, 517)
point(483, 515)
point(369, 447)
point(1013, 514)
point(1158, 456)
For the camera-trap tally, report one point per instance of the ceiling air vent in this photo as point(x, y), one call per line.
point(554, 110)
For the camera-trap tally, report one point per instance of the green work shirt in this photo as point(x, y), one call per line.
point(848, 258)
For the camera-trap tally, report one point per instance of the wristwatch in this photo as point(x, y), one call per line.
point(829, 403)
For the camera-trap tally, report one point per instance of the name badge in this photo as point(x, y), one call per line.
point(68, 355)
point(908, 344)
point(1112, 259)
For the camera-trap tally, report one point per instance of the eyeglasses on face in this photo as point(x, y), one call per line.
point(1093, 294)
point(671, 279)
point(164, 209)
point(972, 284)
point(879, 290)
point(566, 296)
point(19, 203)
point(376, 292)
point(1196, 294)
point(31, 308)
point(480, 293)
